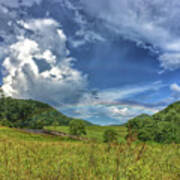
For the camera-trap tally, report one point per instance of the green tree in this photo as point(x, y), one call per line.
point(77, 127)
point(110, 136)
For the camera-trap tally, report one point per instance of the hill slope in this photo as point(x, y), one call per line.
point(30, 114)
point(169, 114)
point(163, 126)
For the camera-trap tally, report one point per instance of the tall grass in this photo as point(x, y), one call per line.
point(38, 159)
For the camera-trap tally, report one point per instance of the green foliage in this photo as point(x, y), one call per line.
point(29, 114)
point(110, 136)
point(162, 127)
point(77, 127)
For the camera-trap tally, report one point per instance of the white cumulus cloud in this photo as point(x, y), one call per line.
point(115, 111)
point(38, 65)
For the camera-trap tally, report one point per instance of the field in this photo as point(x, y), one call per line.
point(26, 156)
point(95, 132)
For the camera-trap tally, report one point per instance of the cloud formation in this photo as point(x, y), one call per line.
point(85, 33)
point(175, 88)
point(38, 65)
point(110, 106)
point(108, 113)
point(150, 24)
point(17, 3)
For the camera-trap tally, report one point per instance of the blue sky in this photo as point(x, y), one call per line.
point(103, 61)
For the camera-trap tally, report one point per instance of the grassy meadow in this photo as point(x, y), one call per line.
point(94, 133)
point(27, 156)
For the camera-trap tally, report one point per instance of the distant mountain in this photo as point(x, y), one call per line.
point(163, 127)
point(30, 114)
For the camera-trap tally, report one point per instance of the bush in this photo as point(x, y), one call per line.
point(77, 127)
point(110, 136)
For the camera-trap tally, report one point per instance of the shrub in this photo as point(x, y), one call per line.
point(77, 127)
point(110, 136)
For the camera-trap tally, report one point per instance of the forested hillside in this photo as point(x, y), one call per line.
point(163, 126)
point(30, 114)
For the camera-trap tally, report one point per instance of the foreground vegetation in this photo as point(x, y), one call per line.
point(25, 156)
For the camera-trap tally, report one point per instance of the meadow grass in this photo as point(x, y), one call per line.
point(94, 132)
point(26, 156)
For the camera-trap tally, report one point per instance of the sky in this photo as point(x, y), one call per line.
point(103, 61)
